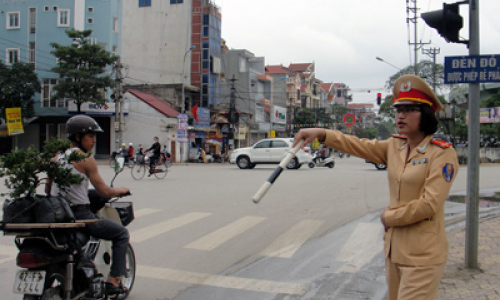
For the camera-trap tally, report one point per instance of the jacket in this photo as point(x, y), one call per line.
point(418, 189)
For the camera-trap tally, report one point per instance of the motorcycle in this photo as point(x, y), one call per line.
point(62, 262)
point(320, 162)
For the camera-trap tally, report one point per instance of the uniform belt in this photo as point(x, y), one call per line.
point(80, 207)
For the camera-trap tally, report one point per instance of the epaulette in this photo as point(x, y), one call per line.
point(399, 136)
point(441, 143)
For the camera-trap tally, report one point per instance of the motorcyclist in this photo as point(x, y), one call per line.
point(81, 131)
point(130, 151)
point(323, 154)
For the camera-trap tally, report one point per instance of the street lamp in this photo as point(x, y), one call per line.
point(380, 59)
point(184, 78)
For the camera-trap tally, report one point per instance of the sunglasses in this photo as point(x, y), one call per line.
point(406, 109)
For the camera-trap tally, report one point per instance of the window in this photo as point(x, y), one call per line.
point(63, 18)
point(279, 144)
point(32, 19)
point(144, 3)
point(90, 9)
point(263, 145)
point(46, 8)
point(116, 24)
point(243, 65)
point(32, 54)
point(11, 55)
point(13, 20)
point(54, 8)
point(48, 93)
point(90, 21)
point(176, 1)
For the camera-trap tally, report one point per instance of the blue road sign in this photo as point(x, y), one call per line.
point(472, 69)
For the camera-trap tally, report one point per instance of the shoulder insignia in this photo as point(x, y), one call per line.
point(441, 143)
point(399, 136)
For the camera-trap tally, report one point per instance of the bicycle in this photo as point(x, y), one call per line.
point(139, 170)
point(165, 158)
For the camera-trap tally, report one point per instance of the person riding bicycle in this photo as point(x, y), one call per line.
point(81, 131)
point(156, 148)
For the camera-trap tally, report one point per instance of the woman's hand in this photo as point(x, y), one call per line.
point(308, 135)
point(382, 218)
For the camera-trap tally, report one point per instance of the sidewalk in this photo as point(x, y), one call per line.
point(478, 284)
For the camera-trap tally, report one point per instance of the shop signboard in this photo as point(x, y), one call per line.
point(14, 121)
point(203, 122)
point(89, 108)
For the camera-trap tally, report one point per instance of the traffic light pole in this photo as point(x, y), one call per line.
point(472, 211)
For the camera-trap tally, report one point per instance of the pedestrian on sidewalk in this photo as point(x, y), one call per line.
point(421, 170)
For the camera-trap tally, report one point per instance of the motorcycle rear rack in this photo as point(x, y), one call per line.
point(30, 229)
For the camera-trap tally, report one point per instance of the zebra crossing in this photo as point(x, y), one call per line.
point(363, 243)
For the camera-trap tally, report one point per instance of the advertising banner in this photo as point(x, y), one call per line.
point(14, 121)
point(182, 127)
point(278, 115)
point(487, 115)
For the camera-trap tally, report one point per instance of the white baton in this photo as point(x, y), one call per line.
point(284, 162)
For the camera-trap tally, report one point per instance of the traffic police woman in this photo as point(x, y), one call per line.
point(421, 170)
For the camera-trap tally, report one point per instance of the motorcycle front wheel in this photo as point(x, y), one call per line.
point(129, 278)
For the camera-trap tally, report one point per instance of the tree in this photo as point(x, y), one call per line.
point(432, 73)
point(82, 68)
point(18, 86)
point(25, 169)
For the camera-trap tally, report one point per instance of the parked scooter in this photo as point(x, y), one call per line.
point(322, 162)
point(62, 262)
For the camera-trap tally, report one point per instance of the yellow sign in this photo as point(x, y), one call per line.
point(271, 134)
point(14, 121)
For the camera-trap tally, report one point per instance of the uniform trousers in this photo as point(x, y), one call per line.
point(407, 282)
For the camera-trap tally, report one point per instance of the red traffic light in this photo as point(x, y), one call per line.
point(379, 98)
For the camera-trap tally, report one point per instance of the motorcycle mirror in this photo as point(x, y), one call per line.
point(119, 164)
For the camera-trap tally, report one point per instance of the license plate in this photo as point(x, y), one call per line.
point(29, 282)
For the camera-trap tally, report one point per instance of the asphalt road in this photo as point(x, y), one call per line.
point(197, 234)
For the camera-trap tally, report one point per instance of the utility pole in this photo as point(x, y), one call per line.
point(432, 52)
point(119, 119)
point(232, 108)
point(414, 19)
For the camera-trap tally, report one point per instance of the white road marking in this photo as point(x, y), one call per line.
point(224, 234)
point(363, 244)
point(145, 211)
point(248, 284)
point(9, 251)
point(146, 233)
point(288, 243)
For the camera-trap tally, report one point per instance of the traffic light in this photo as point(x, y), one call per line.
point(379, 98)
point(446, 21)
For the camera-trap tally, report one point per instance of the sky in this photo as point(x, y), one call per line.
point(344, 37)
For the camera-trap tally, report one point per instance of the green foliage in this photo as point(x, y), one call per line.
point(24, 169)
point(82, 68)
point(18, 85)
point(426, 70)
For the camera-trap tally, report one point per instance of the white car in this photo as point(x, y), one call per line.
point(269, 151)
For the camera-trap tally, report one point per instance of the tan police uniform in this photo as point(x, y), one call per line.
point(415, 243)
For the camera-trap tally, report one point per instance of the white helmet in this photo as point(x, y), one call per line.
point(130, 144)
